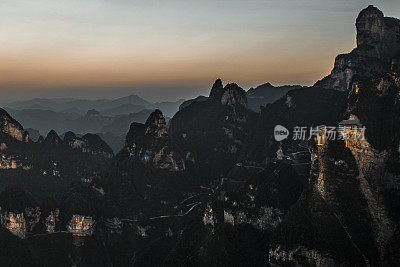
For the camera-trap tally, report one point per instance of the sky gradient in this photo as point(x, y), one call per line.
point(166, 50)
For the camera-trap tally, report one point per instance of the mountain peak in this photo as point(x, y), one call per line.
point(370, 10)
point(155, 124)
point(150, 143)
point(377, 44)
point(230, 95)
point(378, 32)
point(156, 118)
point(217, 90)
point(69, 136)
point(234, 95)
point(266, 85)
point(52, 138)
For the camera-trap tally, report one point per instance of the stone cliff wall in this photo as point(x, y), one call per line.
point(378, 45)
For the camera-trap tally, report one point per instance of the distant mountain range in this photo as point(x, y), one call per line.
point(111, 118)
point(111, 107)
point(214, 186)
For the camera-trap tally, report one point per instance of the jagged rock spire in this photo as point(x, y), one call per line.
point(156, 119)
point(150, 143)
point(377, 34)
point(230, 95)
point(378, 42)
point(216, 91)
point(155, 124)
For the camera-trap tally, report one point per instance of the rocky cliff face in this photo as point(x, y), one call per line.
point(303, 107)
point(230, 95)
point(375, 103)
point(11, 127)
point(211, 132)
point(27, 163)
point(150, 144)
point(89, 143)
point(353, 184)
point(19, 212)
point(378, 43)
point(377, 36)
point(52, 221)
point(81, 225)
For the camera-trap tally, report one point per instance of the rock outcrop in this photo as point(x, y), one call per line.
point(230, 95)
point(19, 212)
point(52, 139)
point(378, 43)
point(27, 163)
point(305, 107)
point(353, 187)
point(10, 127)
point(211, 132)
point(81, 225)
point(150, 144)
point(89, 143)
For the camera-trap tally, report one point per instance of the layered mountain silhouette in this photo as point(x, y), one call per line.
point(212, 187)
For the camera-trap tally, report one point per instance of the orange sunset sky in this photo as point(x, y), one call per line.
point(166, 50)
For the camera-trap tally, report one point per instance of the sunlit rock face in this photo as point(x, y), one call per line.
point(15, 223)
point(330, 224)
point(150, 144)
point(80, 203)
point(19, 211)
point(354, 187)
point(209, 216)
point(375, 102)
point(20, 223)
point(52, 220)
point(378, 42)
point(81, 225)
point(12, 162)
point(11, 127)
point(7, 162)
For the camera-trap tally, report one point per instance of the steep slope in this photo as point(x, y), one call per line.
point(45, 167)
point(348, 214)
point(378, 45)
point(304, 107)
